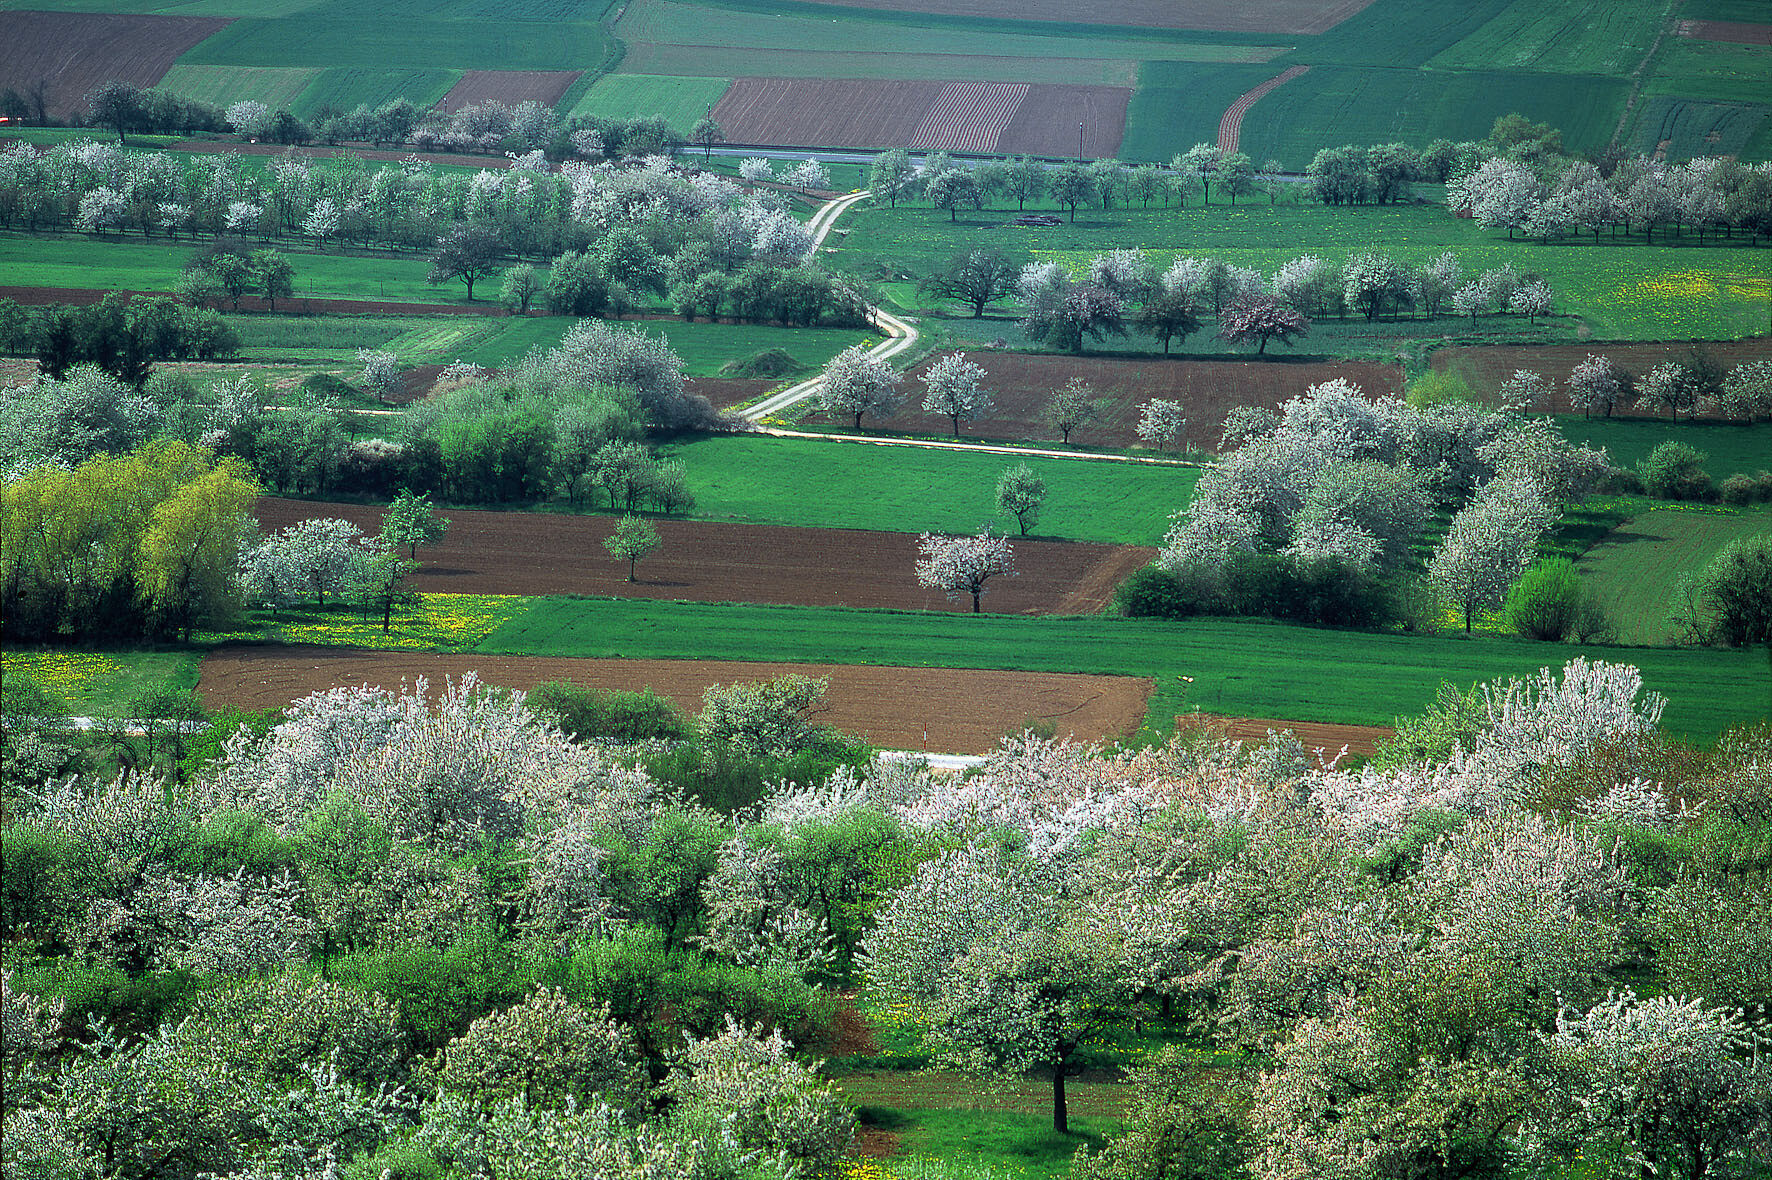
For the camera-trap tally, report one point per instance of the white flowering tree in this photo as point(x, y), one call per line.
point(1598, 383)
point(1162, 423)
point(858, 383)
point(546, 1051)
point(954, 386)
point(1489, 545)
point(380, 374)
point(1020, 493)
point(316, 557)
point(959, 566)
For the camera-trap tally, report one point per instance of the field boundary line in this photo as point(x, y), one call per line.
point(1230, 124)
point(936, 444)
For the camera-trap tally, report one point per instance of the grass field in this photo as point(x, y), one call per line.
point(1634, 569)
point(1731, 447)
point(1621, 289)
point(1241, 668)
point(1692, 127)
point(1713, 69)
point(914, 490)
point(1741, 10)
point(680, 100)
point(221, 85)
point(704, 347)
point(100, 684)
point(349, 87)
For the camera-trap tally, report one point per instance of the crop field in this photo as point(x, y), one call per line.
point(681, 101)
point(1714, 70)
point(1740, 32)
point(1634, 569)
point(954, 116)
point(510, 87)
point(1680, 128)
point(1258, 16)
point(1623, 290)
point(912, 489)
point(1239, 668)
point(1021, 385)
point(710, 561)
point(704, 347)
point(349, 87)
point(221, 85)
point(340, 36)
point(74, 52)
point(1607, 37)
point(946, 709)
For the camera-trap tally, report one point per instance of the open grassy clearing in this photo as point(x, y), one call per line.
point(102, 683)
point(1240, 668)
point(1634, 569)
point(1621, 289)
point(1731, 447)
point(913, 489)
point(346, 37)
point(1607, 37)
point(625, 96)
point(1685, 127)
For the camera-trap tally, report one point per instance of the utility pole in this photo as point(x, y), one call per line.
point(1079, 141)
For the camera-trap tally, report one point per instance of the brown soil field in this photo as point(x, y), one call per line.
point(1255, 16)
point(1022, 383)
point(945, 710)
point(73, 52)
point(819, 111)
point(1316, 735)
point(509, 87)
point(1487, 366)
point(1740, 32)
point(706, 561)
point(725, 392)
point(1046, 124)
point(956, 116)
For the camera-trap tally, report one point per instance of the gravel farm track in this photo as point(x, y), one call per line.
point(1252, 16)
point(1022, 383)
point(708, 561)
point(74, 52)
point(945, 710)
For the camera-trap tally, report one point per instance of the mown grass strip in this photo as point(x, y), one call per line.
point(1634, 570)
point(1238, 667)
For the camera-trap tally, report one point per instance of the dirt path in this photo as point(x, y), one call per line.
point(942, 709)
point(1230, 126)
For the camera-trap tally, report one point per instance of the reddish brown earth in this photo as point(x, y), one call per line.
point(705, 561)
point(946, 710)
point(1046, 124)
point(1487, 366)
point(956, 116)
point(1316, 735)
point(1021, 385)
point(1740, 32)
point(74, 52)
point(1253, 16)
point(509, 87)
point(725, 392)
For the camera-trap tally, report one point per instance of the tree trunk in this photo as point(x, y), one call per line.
point(1060, 1117)
point(975, 596)
point(632, 562)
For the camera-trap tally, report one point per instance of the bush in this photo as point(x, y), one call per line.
point(585, 713)
point(1546, 602)
point(1740, 489)
point(1152, 593)
point(1324, 591)
point(439, 992)
point(1675, 471)
point(721, 778)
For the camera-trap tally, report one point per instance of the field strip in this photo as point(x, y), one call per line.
point(1230, 126)
point(969, 116)
point(936, 444)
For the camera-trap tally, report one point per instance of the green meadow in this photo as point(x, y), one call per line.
point(1635, 570)
point(817, 483)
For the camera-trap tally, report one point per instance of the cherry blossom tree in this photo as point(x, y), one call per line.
point(955, 386)
point(1747, 391)
point(1162, 423)
point(1261, 319)
point(959, 566)
point(1020, 493)
point(1074, 406)
point(1668, 386)
point(1598, 383)
point(1489, 545)
point(858, 383)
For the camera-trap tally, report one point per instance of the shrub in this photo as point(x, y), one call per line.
point(1740, 489)
point(1151, 593)
point(1675, 471)
point(1436, 389)
point(1325, 591)
point(585, 713)
point(1546, 602)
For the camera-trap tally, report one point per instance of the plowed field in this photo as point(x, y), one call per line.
point(946, 710)
point(509, 87)
point(704, 561)
point(954, 116)
point(1254, 16)
point(73, 52)
point(1021, 385)
point(1487, 366)
point(1740, 32)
